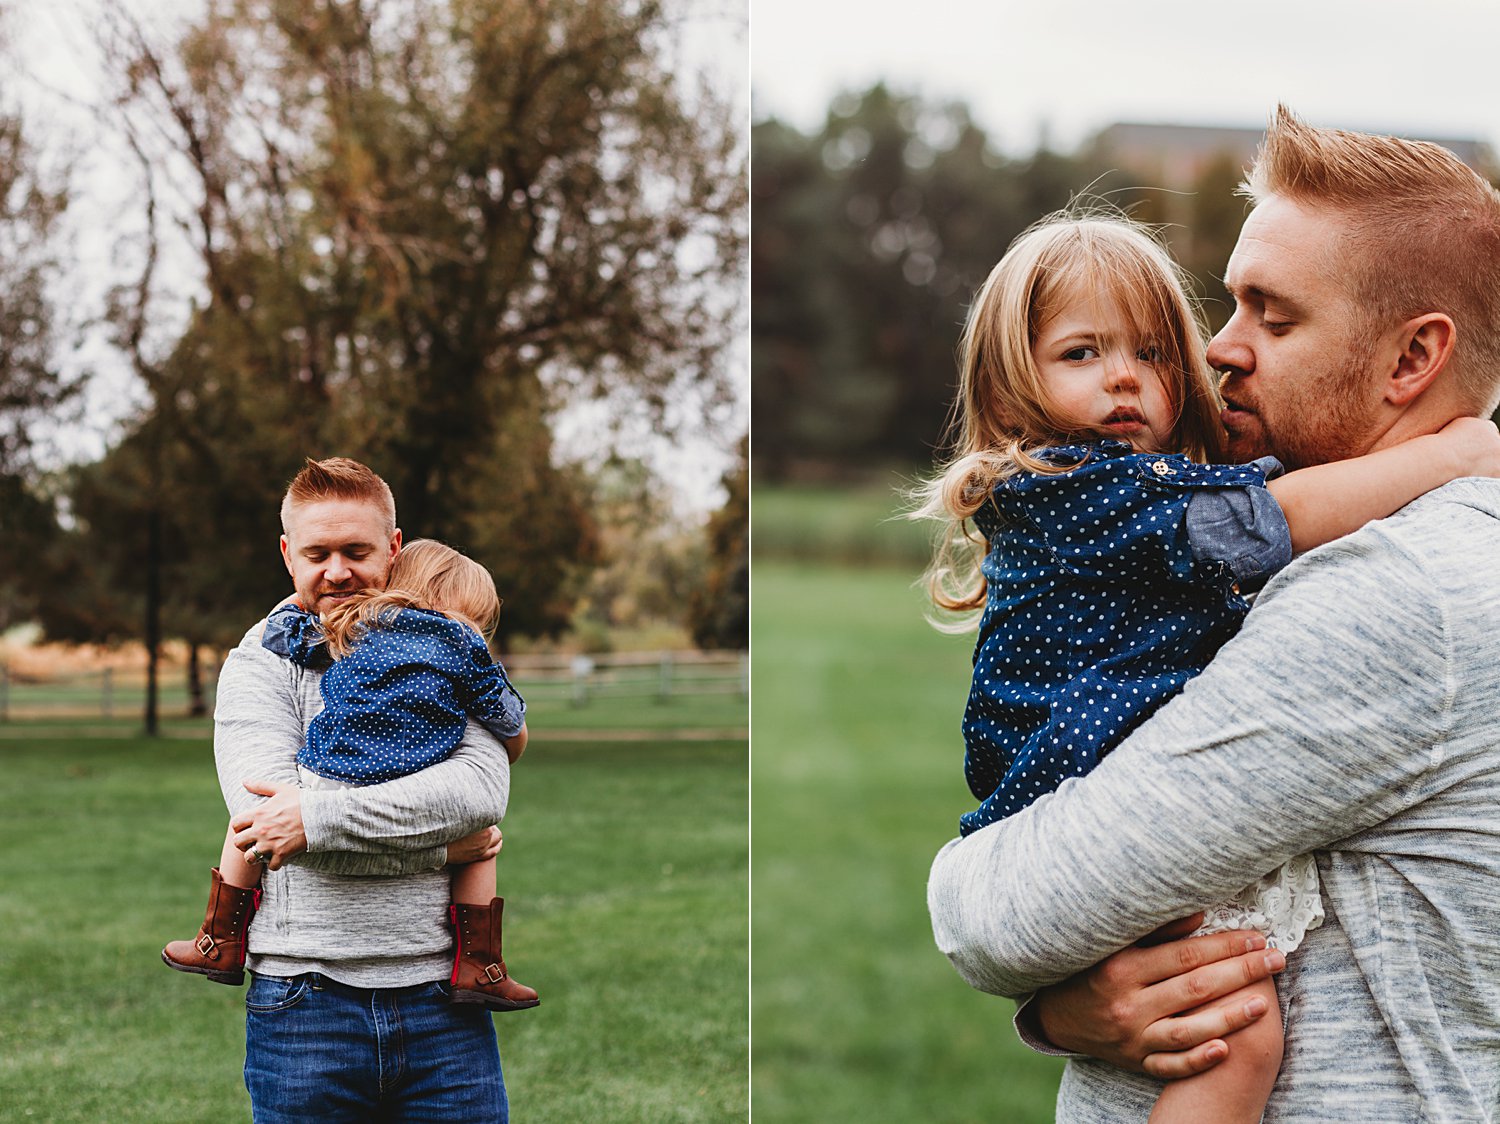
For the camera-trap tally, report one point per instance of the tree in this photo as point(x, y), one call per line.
point(720, 613)
point(32, 388)
point(870, 239)
point(422, 226)
point(651, 558)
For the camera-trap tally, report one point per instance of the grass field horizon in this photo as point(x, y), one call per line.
point(624, 863)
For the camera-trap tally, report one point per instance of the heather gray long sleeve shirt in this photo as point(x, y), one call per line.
point(368, 903)
point(1356, 715)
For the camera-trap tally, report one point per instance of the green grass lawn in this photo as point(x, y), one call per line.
point(857, 781)
point(624, 874)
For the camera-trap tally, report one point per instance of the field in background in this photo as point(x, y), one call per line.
point(856, 782)
point(624, 874)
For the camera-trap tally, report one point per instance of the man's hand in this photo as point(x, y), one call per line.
point(483, 844)
point(273, 827)
point(1160, 1008)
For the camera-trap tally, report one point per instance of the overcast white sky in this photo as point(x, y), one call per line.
point(1418, 68)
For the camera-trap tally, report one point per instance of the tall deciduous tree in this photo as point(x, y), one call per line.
point(32, 388)
point(423, 225)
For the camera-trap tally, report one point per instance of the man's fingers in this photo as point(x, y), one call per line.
point(1188, 1033)
point(261, 788)
point(1196, 1060)
point(1203, 985)
point(1176, 958)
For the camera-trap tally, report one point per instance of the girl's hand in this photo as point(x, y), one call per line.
point(1476, 444)
point(483, 844)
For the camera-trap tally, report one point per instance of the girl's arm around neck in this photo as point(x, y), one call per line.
point(1327, 501)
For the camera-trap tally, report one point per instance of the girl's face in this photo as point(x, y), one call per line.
point(1100, 375)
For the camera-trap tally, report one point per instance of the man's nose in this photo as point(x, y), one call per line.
point(1229, 348)
point(336, 571)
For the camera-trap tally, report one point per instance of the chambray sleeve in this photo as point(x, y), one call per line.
point(294, 634)
point(1242, 528)
point(486, 692)
point(1123, 518)
point(1326, 715)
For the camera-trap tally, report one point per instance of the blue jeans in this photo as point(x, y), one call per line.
point(319, 1050)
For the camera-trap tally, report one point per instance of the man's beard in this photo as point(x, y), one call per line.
point(1333, 424)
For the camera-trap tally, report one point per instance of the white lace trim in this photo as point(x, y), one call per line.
point(1283, 905)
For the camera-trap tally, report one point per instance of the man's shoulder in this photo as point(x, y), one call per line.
point(1472, 497)
point(1447, 527)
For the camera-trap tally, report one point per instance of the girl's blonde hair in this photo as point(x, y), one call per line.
point(1002, 415)
point(425, 575)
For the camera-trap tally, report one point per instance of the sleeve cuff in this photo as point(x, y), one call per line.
point(1243, 529)
point(1029, 1029)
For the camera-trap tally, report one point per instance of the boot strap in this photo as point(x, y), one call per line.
point(494, 973)
point(207, 946)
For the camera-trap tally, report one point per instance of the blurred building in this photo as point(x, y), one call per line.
point(1176, 156)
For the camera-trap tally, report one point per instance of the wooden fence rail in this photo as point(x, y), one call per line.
point(575, 679)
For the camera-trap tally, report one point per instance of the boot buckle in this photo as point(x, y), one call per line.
point(206, 946)
point(494, 973)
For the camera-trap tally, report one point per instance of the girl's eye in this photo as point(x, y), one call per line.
point(1151, 355)
point(1081, 354)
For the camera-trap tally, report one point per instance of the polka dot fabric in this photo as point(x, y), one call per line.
point(1096, 614)
point(399, 701)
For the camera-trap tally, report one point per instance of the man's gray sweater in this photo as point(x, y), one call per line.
point(1357, 716)
point(368, 903)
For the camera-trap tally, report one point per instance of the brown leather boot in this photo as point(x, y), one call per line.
point(219, 951)
point(479, 975)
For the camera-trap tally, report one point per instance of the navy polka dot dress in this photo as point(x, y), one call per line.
point(399, 701)
point(1097, 612)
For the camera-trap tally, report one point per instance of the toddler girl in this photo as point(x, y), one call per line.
point(1109, 557)
point(409, 668)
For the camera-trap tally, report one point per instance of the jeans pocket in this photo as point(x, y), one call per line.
point(268, 994)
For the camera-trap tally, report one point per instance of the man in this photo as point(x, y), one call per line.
point(1352, 717)
point(347, 1015)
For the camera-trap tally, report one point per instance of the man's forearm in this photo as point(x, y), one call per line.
point(420, 813)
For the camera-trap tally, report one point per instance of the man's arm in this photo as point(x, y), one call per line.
point(399, 827)
point(422, 811)
point(1314, 723)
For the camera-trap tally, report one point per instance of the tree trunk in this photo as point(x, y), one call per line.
point(197, 708)
point(153, 615)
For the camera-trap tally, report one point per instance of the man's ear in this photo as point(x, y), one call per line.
point(1426, 346)
point(285, 556)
